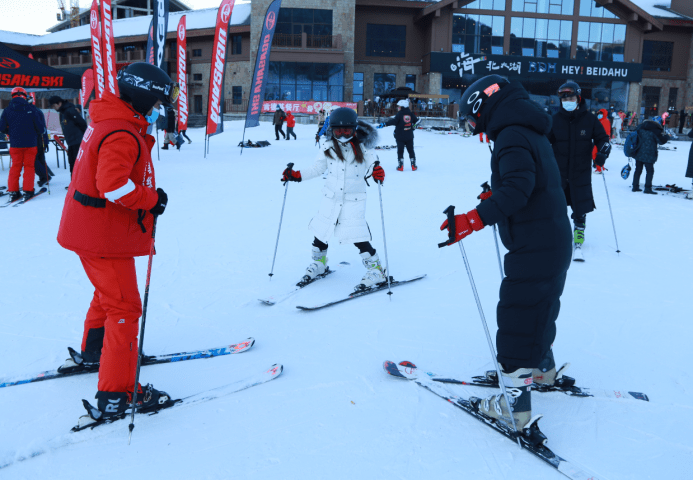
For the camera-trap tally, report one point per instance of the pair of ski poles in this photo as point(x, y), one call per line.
point(382, 217)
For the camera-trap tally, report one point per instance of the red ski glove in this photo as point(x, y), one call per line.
point(486, 194)
point(465, 224)
point(379, 174)
point(290, 175)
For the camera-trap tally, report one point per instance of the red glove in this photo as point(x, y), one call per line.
point(485, 195)
point(464, 225)
point(291, 175)
point(379, 174)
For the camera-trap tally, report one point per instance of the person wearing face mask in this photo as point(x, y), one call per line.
point(574, 133)
point(603, 117)
point(345, 152)
point(107, 220)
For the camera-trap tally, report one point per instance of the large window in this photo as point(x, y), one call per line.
point(295, 21)
point(590, 8)
point(236, 45)
point(357, 94)
point(383, 82)
point(540, 37)
point(486, 5)
point(656, 56)
point(650, 101)
point(386, 40)
point(305, 81)
point(601, 41)
point(237, 95)
point(477, 33)
point(556, 7)
point(410, 81)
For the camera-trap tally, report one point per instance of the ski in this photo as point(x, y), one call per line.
point(564, 384)
point(531, 438)
point(361, 293)
point(273, 300)
point(146, 360)
point(270, 374)
point(40, 192)
point(8, 203)
point(577, 253)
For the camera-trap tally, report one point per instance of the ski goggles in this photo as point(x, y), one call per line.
point(567, 93)
point(167, 92)
point(343, 132)
point(471, 120)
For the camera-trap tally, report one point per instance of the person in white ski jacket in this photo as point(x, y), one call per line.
point(616, 126)
point(345, 153)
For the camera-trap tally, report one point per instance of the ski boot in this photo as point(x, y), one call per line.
point(579, 236)
point(27, 194)
point(374, 273)
point(636, 188)
point(113, 405)
point(413, 165)
point(14, 196)
point(518, 385)
point(649, 191)
point(77, 362)
point(400, 165)
point(318, 267)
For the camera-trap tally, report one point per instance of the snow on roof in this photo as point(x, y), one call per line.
point(126, 27)
point(657, 8)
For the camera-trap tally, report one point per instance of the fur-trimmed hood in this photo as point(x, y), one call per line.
point(365, 132)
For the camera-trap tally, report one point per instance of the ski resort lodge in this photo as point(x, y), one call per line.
point(634, 55)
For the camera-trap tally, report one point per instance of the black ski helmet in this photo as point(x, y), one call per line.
point(476, 96)
point(343, 118)
point(144, 84)
point(569, 89)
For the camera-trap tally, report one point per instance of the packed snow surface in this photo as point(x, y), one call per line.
point(625, 323)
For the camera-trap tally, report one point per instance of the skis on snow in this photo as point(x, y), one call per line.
point(21, 201)
point(302, 284)
point(146, 360)
point(361, 293)
point(530, 439)
point(270, 374)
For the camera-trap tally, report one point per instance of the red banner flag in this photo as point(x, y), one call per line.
point(215, 123)
point(182, 76)
point(87, 87)
point(96, 50)
point(108, 54)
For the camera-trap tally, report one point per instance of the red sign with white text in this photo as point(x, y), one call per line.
point(108, 53)
point(215, 122)
point(97, 50)
point(305, 107)
point(87, 87)
point(182, 80)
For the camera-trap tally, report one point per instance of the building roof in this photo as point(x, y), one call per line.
point(128, 27)
point(660, 8)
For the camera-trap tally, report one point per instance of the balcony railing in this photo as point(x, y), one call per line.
point(230, 107)
point(283, 40)
point(332, 42)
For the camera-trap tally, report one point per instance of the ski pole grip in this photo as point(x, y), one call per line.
point(450, 212)
point(486, 187)
point(289, 167)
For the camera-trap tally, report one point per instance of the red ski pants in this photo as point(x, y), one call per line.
point(22, 158)
point(116, 306)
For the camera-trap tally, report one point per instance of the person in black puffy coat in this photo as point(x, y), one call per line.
point(689, 169)
point(404, 123)
point(73, 126)
point(528, 205)
point(650, 135)
point(574, 133)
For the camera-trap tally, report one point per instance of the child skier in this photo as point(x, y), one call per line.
point(342, 213)
point(603, 117)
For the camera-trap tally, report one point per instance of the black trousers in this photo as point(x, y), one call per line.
point(578, 220)
point(362, 246)
point(409, 144)
point(278, 130)
point(648, 176)
point(183, 132)
point(72, 151)
point(289, 132)
point(40, 164)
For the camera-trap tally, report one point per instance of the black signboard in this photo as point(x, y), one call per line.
point(16, 70)
point(516, 68)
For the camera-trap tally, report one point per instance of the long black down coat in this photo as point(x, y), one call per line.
point(573, 136)
point(404, 125)
point(72, 123)
point(650, 135)
point(689, 169)
point(529, 207)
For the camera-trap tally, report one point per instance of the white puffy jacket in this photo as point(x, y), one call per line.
point(342, 210)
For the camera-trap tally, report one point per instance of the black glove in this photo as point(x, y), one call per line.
point(45, 150)
point(290, 175)
point(600, 159)
point(160, 203)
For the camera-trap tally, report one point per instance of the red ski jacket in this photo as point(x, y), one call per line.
point(290, 120)
point(607, 128)
point(106, 211)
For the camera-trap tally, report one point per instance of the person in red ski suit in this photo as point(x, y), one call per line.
point(603, 117)
point(107, 220)
point(290, 124)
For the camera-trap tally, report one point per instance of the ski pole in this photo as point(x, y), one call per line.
point(487, 188)
point(141, 342)
point(611, 212)
point(281, 217)
point(450, 212)
point(382, 217)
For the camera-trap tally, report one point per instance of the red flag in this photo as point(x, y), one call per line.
point(87, 87)
point(215, 122)
point(182, 79)
point(96, 50)
point(32, 94)
point(108, 48)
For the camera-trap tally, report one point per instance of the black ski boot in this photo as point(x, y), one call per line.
point(79, 362)
point(14, 196)
point(636, 188)
point(649, 191)
point(400, 165)
point(28, 194)
point(413, 165)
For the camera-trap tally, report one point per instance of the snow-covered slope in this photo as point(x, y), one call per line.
point(625, 322)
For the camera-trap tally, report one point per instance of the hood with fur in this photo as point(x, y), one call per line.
point(365, 132)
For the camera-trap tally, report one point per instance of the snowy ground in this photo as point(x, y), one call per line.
point(625, 323)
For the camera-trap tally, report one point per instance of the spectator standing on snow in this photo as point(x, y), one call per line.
point(290, 124)
point(73, 126)
point(689, 169)
point(278, 121)
point(404, 123)
point(650, 135)
point(20, 121)
point(107, 220)
point(617, 125)
point(170, 136)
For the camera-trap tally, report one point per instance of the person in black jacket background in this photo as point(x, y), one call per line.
point(40, 166)
point(650, 135)
point(73, 126)
point(404, 123)
point(689, 168)
point(527, 203)
point(574, 133)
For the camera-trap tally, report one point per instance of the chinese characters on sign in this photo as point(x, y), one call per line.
point(305, 107)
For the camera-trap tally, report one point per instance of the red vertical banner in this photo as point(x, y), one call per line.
point(32, 94)
point(87, 87)
point(96, 49)
point(108, 53)
point(182, 76)
point(215, 123)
